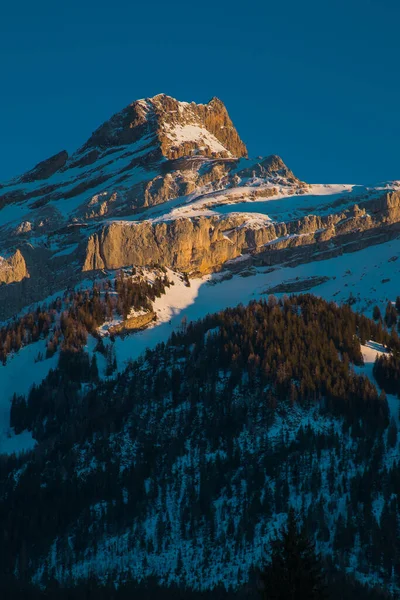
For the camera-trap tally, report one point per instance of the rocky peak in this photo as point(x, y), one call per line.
point(178, 128)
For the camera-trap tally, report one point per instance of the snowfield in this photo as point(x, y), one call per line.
point(180, 134)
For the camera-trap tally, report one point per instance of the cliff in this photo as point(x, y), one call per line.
point(13, 269)
point(204, 244)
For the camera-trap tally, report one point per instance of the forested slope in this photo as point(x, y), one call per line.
point(181, 467)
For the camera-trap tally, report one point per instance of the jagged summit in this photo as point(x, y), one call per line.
point(178, 128)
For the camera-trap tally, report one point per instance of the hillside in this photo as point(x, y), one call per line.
point(183, 466)
point(181, 389)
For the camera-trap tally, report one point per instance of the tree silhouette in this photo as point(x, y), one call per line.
point(294, 570)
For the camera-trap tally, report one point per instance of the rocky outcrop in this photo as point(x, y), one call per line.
point(154, 150)
point(46, 168)
point(182, 182)
point(268, 167)
point(385, 208)
point(196, 245)
point(181, 117)
point(133, 323)
point(13, 269)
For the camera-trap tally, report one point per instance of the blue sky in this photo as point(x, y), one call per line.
point(316, 82)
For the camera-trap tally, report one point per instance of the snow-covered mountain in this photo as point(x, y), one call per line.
point(170, 182)
point(158, 220)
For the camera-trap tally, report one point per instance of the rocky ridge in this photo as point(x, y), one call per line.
point(148, 187)
point(201, 245)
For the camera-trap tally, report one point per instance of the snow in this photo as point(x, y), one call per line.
point(170, 308)
point(180, 134)
point(205, 295)
point(17, 376)
point(371, 350)
point(359, 274)
point(10, 443)
point(349, 274)
point(286, 204)
point(288, 201)
point(126, 554)
point(109, 166)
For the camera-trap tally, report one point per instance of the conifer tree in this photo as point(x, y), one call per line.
point(376, 313)
point(294, 570)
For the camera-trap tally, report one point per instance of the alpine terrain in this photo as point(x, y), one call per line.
point(194, 345)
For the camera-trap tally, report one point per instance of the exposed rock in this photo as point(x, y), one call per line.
point(195, 245)
point(13, 269)
point(99, 205)
point(23, 228)
point(271, 166)
point(133, 323)
point(174, 149)
point(204, 244)
point(87, 159)
point(387, 207)
point(179, 128)
point(46, 168)
point(154, 151)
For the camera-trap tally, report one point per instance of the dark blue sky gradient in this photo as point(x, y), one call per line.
point(316, 82)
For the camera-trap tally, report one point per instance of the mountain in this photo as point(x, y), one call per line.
point(174, 402)
point(157, 152)
point(169, 182)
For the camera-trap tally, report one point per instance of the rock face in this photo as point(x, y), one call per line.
point(271, 166)
point(203, 244)
point(182, 129)
point(13, 269)
point(134, 323)
point(46, 168)
point(195, 245)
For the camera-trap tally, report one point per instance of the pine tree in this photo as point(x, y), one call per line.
point(392, 434)
point(294, 570)
point(390, 315)
point(376, 313)
point(94, 371)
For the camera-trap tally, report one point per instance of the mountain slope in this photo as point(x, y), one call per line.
point(178, 465)
point(182, 466)
point(163, 174)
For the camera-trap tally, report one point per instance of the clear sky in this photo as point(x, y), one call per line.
point(317, 82)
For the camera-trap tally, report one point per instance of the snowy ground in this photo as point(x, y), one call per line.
point(370, 276)
point(370, 351)
point(19, 374)
point(286, 204)
point(358, 274)
point(290, 201)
